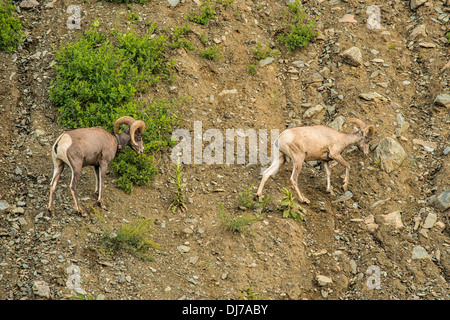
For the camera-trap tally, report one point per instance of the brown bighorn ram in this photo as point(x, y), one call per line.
point(93, 147)
point(316, 143)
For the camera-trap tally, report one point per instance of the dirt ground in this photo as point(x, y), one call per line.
point(276, 258)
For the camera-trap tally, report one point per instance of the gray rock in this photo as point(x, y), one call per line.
point(323, 280)
point(372, 96)
point(419, 252)
point(352, 56)
point(173, 3)
point(28, 4)
point(442, 201)
point(41, 289)
point(430, 220)
point(390, 154)
point(414, 4)
point(311, 112)
point(183, 249)
point(443, 100)
point(3, 205)
point(266, 61)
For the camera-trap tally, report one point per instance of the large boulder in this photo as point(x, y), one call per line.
point(390, 154)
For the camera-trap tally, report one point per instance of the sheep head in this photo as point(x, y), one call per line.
point(135, 130)
point(366, 132)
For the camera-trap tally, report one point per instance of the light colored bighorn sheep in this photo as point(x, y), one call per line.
point(316, 143)
point(93, 147)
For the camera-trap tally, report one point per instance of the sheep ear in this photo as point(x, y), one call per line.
point(370, 131)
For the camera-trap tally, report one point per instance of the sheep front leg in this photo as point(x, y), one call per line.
point(341, 160)
point(298, 163)
point(102, 173)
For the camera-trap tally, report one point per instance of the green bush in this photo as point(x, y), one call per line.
point(178, 40)
point(10, 27)
point(207, 12)
point(211, 53)
point(301, 30)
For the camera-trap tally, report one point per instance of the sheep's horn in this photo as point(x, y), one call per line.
point(356, 121)
point(137, 125)
point(127, 120)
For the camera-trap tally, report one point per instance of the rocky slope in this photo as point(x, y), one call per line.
point(386, 239)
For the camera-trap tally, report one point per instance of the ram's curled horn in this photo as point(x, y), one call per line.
point(356, 121)
point(136, 125)
point(123, 120)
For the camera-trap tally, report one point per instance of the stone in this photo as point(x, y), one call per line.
point(315, 77)
point(41, 289)
point(418, 31)
point(372, 96)
point(443, 100)
point(428, 145)
point(311, 112)
point(231, 91)
point(370, 223)
point(430, 220)
point(414, 4)
point(390, 154)
point(266, 61)
point(427, 44)
point(28, 4)
point(173, 3)
point(3, 205)
point(348, 18)
point(337, 123)
point(183, 249)
point(323, 280)
point(352, 56)
point(442, 201)
point(394, 219)
point(419, 252)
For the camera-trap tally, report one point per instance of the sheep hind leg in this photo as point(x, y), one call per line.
point(298, 163)
point(76, 172)
point(58, 169)
point(276, 164)
point(328, 172)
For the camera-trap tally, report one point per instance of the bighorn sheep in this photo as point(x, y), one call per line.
point(316, 143)
point(93, 147)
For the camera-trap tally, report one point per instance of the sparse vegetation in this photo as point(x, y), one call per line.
point(290, 208)
point(261, 53)
point(204, 14)
point(246, 200)
point(178, 202)
point(178, 40)
point(301, 29)
point(252, 69)
point(236, 223)
point(135, 237)
point(212, 53)
point(10, 27)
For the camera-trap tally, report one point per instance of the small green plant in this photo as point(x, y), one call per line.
point(178, 40)
point(391, 46)
point(178, 202)
point(212, 53)
point(132, 16)
point(261, 53)
point(246, 200)
point(252, 69)
point(290, 208)
point(248, 293)
point(10, 27)
point(225, 3)
point(420, 57)
point(207, 13)
point(203, 38)
point(236, 223)
point(135, 237)
point(301, 30)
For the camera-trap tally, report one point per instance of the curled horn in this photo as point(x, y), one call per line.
point(127, 120)
point(356, 121)
point(137, 125)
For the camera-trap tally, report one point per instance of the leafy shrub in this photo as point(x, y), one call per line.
point(301, 30)
point(10, 27)
point(290, 208)
point(236, 223)
point(177, 38)
point(246, 200)
point(207, 12)
point(212, 53)
point(259, 53)
point(134, 237)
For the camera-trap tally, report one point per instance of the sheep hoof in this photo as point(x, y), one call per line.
point(306, 200)
point(330, 191)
